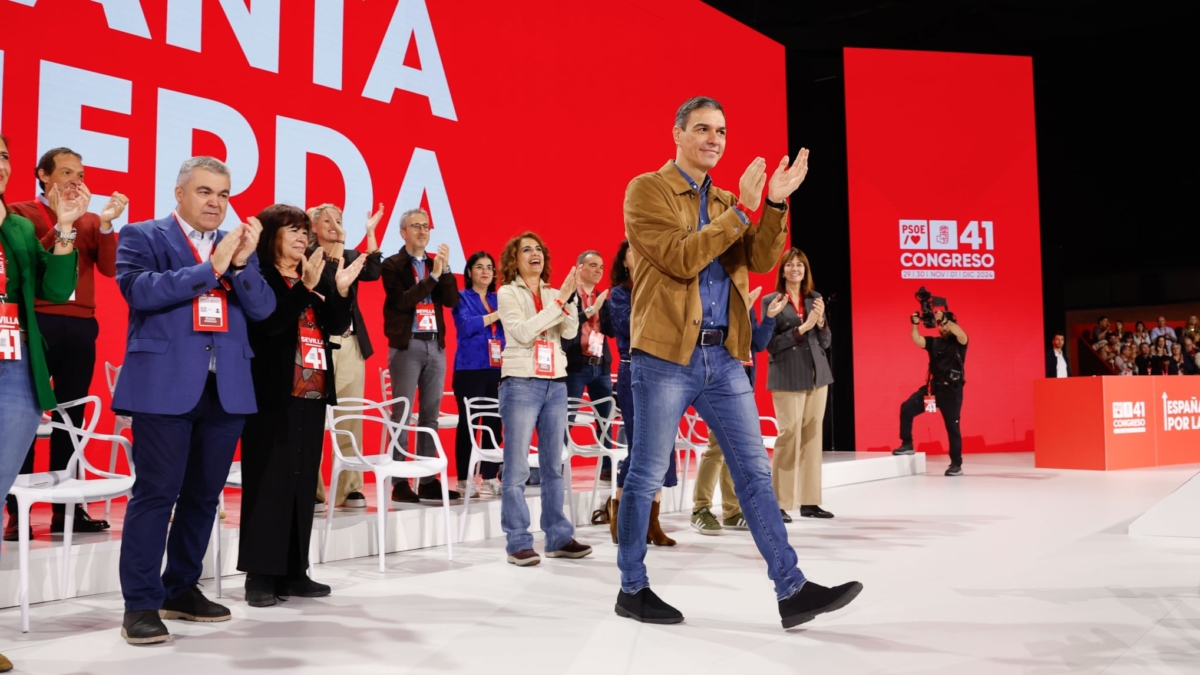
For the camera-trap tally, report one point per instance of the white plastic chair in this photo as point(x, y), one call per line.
point(478, 410)
point(233, 480)
point(382, 464)
point(65, 487)
point(120, 423)
point(769, 441)
point(584, 414)
point(445, 420)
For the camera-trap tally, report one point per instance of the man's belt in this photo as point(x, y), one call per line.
point(593, 360)
point(711, 337)
point(428, 337)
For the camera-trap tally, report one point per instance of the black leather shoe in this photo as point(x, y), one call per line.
point(191, 605)
point(144, 627)
point(814, 599)
point(954, 470)
point(306, 588)
point(432, 492)
point(646, 607)
point(261, 590)
point(784, 514)
point(11, 533)
point(814, 512)
point(904, 449)
point(83, 522)
point(402, 493)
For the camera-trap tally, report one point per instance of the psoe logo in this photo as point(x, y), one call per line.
point(1129, 417)
point(1181, 414)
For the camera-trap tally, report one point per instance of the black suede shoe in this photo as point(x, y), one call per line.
point(83, 522)
point(954, 470)
point(814, 599)
point(646, 607)
point(402, 493)
point(904, 449)
point(11, 533)
point(261, 590)
point(307, 588)
point(144, 627)
point(814, 512)
point(432, 492)
point(784, 514)
point(191, 605)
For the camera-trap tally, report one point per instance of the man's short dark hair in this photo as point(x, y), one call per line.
point(1102, 317)
point(693, 104)
point(47, 163)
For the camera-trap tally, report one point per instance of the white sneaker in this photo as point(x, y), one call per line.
point(491, 487)
point(463, 487)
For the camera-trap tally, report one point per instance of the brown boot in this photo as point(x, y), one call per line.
point(613, 505)
point(655, 534)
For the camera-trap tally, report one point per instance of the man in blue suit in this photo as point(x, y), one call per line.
point(186, 382)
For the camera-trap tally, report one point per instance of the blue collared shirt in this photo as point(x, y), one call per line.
point(715, 283)
point(419, 270)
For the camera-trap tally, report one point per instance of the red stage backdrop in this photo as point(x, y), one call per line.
point(495, 119)
point(943, 194)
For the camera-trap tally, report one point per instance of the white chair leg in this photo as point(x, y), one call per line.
point(462, 524)
point(595, 488)
point(216, 547)
point(333, 481)
point(381, 519)
point(23, 556)
point(112, 468)
point(566, 470)
point(68, 531)
point(446, 513)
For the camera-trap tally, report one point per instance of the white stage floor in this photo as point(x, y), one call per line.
point(1010, 569)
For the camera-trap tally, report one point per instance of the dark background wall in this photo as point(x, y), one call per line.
point(1117, 143)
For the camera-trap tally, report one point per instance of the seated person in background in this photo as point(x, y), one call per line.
point(1108, 356)
point(1100, 332)
point(1163, 330)
point(1181, 362)
point(1140, 334)
point(1144, 360)
point(1163, 365)
point(1125, 362)
point(1190, 351)
point(1118, 329)
point(1191, 330)
point(1114, 342)
point(1160, 347)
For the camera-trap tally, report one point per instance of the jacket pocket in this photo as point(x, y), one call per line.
point(668, 307)
point(151, 345)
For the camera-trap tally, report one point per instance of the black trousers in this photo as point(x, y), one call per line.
point(472, 384)
point(949, 403)
point(71, 358)
point(281, 456)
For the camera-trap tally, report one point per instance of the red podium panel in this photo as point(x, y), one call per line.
point(1108, 423)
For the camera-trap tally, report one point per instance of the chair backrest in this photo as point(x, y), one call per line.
point(381, 412)
point(111, 374)
point(478, 411)
point(81, 435)
point(585, 414)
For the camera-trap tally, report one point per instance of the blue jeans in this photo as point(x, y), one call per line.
point(715, 384)
point(598, 383)
point(629, 416)
point(525, 403)
point(20, 416)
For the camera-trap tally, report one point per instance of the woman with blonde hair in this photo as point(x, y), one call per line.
point(533, 393)
point(798, 376)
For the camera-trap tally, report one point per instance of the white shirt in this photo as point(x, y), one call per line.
point(202, 241)
point(1062, 364)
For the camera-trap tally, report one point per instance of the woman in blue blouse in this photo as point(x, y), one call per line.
point(620, 305)
point(477, 365)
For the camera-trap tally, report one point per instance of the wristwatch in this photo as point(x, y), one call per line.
point(782, 206)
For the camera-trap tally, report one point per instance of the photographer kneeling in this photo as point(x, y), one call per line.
point(943, 388)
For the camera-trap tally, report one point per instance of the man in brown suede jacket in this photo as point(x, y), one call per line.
point(691, 330)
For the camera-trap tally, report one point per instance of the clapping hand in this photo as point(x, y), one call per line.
point(818, 312)
point(251, 230)
point(751, 185)
point(754, 295)
point(374, 218)
point(439, 261)
point(777, 305)
point(68, 208)
point(347, 275)
point(112, 210)
point(567, 288)
point(599, 302)
point(786, 179)
point(314, 265)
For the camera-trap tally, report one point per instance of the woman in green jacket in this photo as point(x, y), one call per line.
point(27, 271)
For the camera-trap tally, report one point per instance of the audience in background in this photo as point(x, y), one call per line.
point(1162, 350)
point(1141, 336)
point(1163, 330)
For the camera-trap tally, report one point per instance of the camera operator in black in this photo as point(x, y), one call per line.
point(945, 381)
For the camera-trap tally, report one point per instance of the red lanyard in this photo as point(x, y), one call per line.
point(3, 274)
point(797, 305)
point(489, 309)
point(46, 215)
point(224, 284)
point(537, 301)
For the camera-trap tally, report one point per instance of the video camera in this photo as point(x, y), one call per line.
point(931, 304)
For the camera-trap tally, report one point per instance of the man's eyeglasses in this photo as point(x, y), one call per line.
point(419, 227)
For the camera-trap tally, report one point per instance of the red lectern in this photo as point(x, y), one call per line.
point(1106, 423)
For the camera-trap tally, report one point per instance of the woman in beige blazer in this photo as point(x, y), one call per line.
point(533, 393)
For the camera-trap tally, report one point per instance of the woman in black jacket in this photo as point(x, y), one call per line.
point(293, 382)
